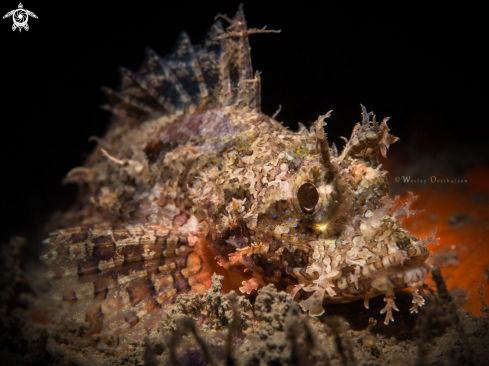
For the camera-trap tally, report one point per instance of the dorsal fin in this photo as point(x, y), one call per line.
point(217, 71)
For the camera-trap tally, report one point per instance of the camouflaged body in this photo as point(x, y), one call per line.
point(191, 179)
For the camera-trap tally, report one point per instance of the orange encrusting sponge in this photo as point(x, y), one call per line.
point(470, 238)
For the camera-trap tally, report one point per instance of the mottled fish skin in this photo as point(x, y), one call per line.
point(191, 179)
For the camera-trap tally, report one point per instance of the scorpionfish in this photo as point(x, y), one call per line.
point(192, 179)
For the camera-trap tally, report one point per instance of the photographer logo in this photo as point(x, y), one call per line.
point(20, 17)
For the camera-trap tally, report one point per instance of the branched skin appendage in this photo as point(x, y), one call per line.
point(192, 178)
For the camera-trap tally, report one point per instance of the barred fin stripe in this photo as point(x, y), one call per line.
point(167, 267)
point(129, 100)
point(105, 266)
point(208, 53)
point(149, 90)
point(169, 253)
point(161, 281)
point(136, 231)
point(182, 250)
point(170, 108)
point(170, 77)
point(173, 79)
point(138, 239)
point(121, 113)
point(70, 230)
point(95, 292)
point(93, 314)
point(182, 64)
point(165, 297)
point(151, 256)
point(158, 280)
point(117, 283)
point(131, 319)
point(109, 308)
point(121, 280)
point(196, 67)
point(101, 267)
point(110, 265)
point(140, 294)
point(72, 250)
point(75, 273)
point(225, 97)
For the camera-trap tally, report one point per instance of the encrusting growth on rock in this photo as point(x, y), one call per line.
point(212, 309)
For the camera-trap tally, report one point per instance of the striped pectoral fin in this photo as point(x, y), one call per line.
point(123, 274)
point(131, 307)
point(143, 297)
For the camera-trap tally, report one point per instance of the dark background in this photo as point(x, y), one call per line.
point(424, 67)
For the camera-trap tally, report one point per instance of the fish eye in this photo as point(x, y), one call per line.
point(308, 197)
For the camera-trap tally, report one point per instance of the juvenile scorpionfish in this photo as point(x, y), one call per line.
point(193, 179)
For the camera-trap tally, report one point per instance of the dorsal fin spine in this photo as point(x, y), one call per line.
point(204, 93)
point(128, 99)
point(218, 71)
point(173, 79)
point(246, 72)
point(144, 85)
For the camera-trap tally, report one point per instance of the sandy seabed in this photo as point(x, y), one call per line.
point(266, 329)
